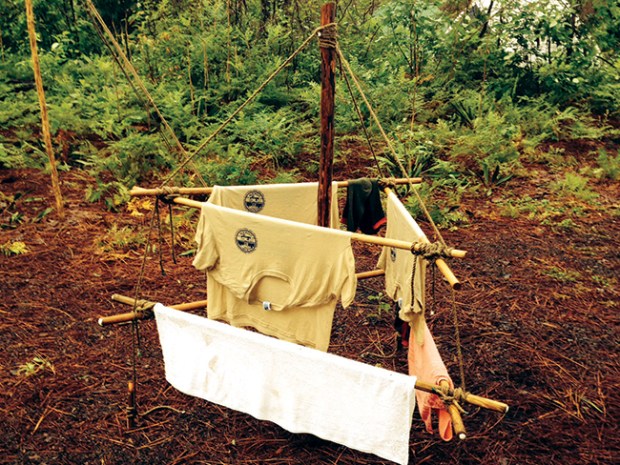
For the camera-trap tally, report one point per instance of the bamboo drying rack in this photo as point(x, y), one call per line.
point(386, 242)
point(442, 266)
point(143, 309)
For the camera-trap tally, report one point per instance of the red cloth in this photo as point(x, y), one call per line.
point(426, 363)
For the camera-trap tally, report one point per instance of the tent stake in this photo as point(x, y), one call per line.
point(132, 410)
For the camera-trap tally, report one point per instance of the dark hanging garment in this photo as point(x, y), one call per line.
point(363, 209)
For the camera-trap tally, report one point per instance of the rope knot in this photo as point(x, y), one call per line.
point(170, 190)
point(457, 396)
point(328, 36)
point(387, 182)
point(460, 394)
point(168, 194)
point(431, 250)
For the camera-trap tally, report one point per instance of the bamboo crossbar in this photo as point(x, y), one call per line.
point(386, 242)
point(398, 244)
point(119, 318)
point(131, 301)
point(370, 274)
point(143, 307)
point(138, 191)
point(148, 303)
point(457, 421)
point(143, 310)
point(442, 266)
point(472, 399)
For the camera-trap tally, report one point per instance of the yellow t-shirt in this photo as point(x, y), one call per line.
point(398, 266)
point(298, 271)
point(308, 326)
point(294, 202)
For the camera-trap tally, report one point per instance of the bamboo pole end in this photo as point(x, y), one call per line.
point(458, 253)
point(462, 436)
point(100, 321)
point(137, 191)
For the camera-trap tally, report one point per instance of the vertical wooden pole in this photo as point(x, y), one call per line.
point(45, 125)
point(328, 91)
point(228, 41)
point(132, 411)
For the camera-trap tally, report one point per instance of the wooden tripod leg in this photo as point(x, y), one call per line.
point(455, 415)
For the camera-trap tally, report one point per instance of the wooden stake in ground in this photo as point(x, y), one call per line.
point(327, 42)
point(45, 126)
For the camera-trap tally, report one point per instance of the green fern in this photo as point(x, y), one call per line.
point(574, 185)
point(609, 165)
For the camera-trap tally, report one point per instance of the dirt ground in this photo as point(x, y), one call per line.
point(538, 319)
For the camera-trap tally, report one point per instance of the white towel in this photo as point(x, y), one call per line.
point(301, 389)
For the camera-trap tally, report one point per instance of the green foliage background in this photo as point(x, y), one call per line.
point(467, 89)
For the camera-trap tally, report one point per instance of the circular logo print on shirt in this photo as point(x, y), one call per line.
point(393, 254)
point(246, 240)
point(254, 201)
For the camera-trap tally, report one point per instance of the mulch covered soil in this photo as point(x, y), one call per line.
point(538, 319)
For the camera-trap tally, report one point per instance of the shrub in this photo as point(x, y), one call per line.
point(609, 165)
point(575, 185)
point(231, 167)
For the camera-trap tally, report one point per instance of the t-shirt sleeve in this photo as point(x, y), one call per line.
point(216, 197)
point(206, 248)
point(381, 262)
point(348, 278)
